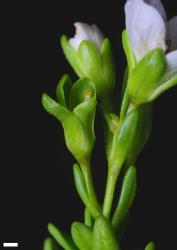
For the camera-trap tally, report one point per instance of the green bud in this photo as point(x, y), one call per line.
point(130, 138)
point(94, 63)
point(75, 109)
point(103, 235)
point(143, 132)
point(146, 77)
point(82, 236)
point(124, 140)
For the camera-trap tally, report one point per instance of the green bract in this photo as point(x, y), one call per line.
point(146, 77)
point(75, 109)
point(88, 61)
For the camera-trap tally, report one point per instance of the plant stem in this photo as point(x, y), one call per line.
point(124, 105)
point(109, 194)
point(86, 170)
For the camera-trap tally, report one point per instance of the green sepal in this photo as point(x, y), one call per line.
point(71, 55)
point(146, 76)
point(82, 236)
point(128, 50)
point(150, 246)
point(166, 84)
point(82, 191)
point(50, 244)
point(63, 239)
point(126, 197)
point(63, 90)
point(108, 66)
point(54, 108)
point(103, 235)
point(89, 60)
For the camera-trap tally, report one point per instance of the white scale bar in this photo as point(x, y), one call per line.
point(10, 244)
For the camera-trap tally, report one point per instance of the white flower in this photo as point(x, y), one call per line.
point(148, 29)
point(86, 32)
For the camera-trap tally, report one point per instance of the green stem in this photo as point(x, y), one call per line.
point(106, 105)
point(86, 170)
point(124, 105)
point(109, 193)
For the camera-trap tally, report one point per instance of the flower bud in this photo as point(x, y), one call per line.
point(131, 137)
point(75, 109)
point(90, 56)
point(146, 76)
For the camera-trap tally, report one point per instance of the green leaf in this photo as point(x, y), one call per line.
point(82, 236)
point(64, 240)
point(82, 191)
point(71, 55)
point(81, 91)
point(103, 235)
point(63, 90)
point(108, 66)
point(146, 76)
point(150, 246)
point(128, 50)
point(50, 244)
point(126, 197)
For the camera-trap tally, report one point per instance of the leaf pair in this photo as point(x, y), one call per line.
point(102, 237)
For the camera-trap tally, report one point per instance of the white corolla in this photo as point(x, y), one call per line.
point(86, 32)
point(148, 28)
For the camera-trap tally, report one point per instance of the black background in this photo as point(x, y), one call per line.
point(37, 181)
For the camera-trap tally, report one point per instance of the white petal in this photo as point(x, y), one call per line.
point(171, 66)
point(159, 6)
point(172, 60)
point(146, 27)
point(86, 32)
point(172, 33)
